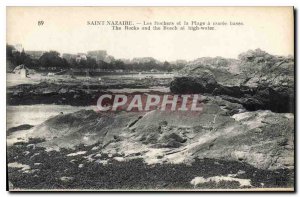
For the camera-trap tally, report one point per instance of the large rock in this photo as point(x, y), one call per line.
point(204, 83)
point(83, 127)
point(262, 81)
point(223, 130)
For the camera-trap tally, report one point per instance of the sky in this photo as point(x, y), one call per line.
point(65, 30)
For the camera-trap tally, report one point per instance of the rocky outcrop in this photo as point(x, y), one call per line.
point(261, 81)
point(279, 99)
point(205, 82)
point(82, 127)
point(239, 125)
point(74, 93)
point(223, 130)
point(19, 128)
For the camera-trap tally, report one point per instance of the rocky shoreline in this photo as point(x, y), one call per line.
point(44, 170)
point(243, 137)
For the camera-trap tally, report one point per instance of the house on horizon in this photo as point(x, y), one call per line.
point(18, 48)
point(81, 56)
point(98, 55)
point(21, 70)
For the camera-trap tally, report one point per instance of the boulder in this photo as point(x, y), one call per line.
point(203, 83)
point(263, 139)
point(263, 82)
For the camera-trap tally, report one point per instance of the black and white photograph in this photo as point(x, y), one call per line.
point(150, 98)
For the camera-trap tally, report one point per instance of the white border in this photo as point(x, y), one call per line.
point(5, 3)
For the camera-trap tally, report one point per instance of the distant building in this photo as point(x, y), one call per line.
point(81, 56)
point(98, 55)
point(78, 57)
point(18, 48)
point(35, 54)
point(21, 70)
point(23, 73)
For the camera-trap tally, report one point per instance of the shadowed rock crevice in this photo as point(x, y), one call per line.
point(279, 100)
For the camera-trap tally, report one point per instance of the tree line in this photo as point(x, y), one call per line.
point(53, 60)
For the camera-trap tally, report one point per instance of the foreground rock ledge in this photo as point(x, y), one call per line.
point(262, 138)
